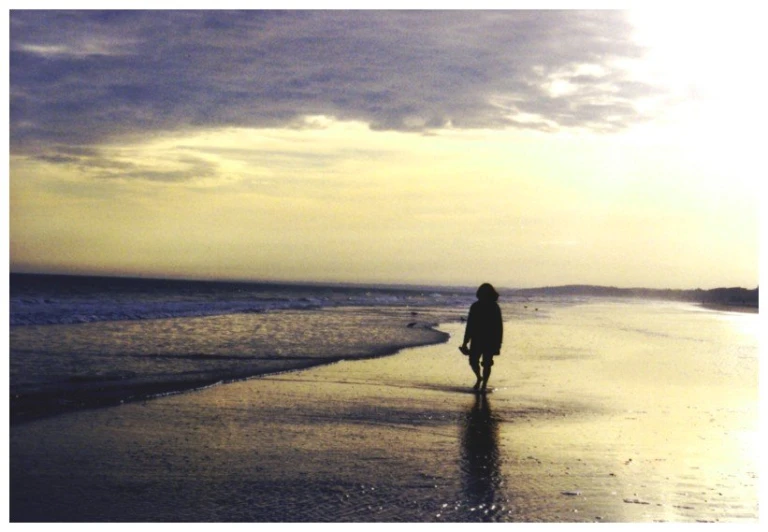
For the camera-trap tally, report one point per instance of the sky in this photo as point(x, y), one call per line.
point(519, 147)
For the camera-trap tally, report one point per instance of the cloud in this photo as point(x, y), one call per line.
point(83, 77)
point(113, 164)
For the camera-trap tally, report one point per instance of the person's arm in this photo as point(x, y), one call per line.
point(500, 323)
point(468, 329)
point(501, 328)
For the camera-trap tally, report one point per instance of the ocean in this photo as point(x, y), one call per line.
point(80, 341)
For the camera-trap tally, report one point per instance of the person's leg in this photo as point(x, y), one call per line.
point(487, 363)
point(474, 363)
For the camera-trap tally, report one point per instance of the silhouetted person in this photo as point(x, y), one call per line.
point(483, 334)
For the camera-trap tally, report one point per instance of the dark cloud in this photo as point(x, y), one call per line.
point(105, 164)
point(81, 77)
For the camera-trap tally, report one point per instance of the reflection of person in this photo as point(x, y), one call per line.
point(484, 333)
point(481, 462)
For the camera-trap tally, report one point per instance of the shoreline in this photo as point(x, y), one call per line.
point(74, 396)
point(723, 307)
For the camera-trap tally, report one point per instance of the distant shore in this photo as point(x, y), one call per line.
point(732, 307)
point(735, 298)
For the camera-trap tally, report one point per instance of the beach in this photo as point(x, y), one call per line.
point(592, 418)
point(256, 254)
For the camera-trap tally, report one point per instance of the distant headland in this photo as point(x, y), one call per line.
point(734, 298)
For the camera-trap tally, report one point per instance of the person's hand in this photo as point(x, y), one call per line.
point(464, 349)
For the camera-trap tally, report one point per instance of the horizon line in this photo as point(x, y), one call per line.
point(371, 284)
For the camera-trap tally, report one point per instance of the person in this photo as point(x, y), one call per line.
point(483, 334)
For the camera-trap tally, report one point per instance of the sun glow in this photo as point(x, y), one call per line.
point(702, 55)
point(706, 60)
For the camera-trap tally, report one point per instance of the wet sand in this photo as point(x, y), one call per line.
point(565, 436)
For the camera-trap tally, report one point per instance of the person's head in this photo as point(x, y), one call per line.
point(487, 292)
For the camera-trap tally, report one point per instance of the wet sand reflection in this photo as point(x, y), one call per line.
point(481, 461)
